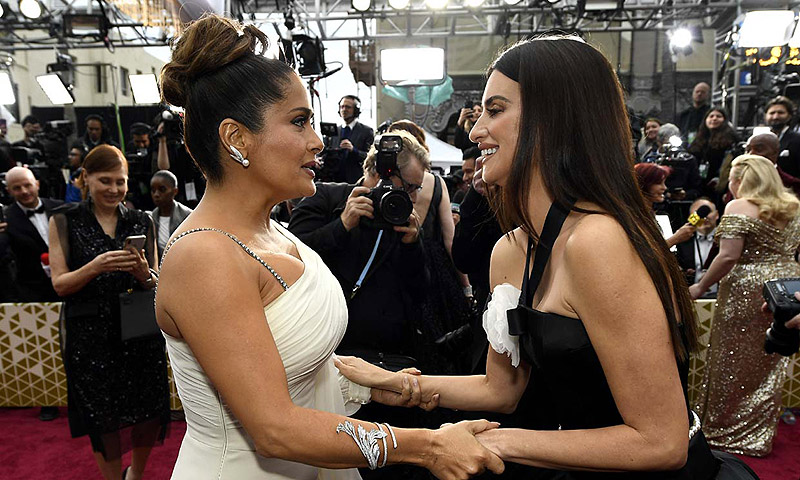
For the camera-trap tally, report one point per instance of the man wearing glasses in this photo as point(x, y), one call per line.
point(382, 272)
point(383, 297)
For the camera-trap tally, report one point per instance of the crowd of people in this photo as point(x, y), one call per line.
point(543, 284)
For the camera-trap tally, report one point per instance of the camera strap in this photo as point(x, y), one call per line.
point(363, 275)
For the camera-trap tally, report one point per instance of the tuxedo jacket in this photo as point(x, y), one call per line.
point(685, 255)
point(27, 246)
point(352, 167)
point(789, 157)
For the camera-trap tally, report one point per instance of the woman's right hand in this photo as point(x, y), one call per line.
point(115, 261)
point(457, 454)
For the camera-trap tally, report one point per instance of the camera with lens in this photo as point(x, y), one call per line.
point(673, 153)
point(173, 126)
point(779, 295)
point(391, 205)
point(330, 159)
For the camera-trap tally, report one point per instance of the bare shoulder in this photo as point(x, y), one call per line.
point(594, 235)
point(742, 206)
point(198, 262)
point(506, 266)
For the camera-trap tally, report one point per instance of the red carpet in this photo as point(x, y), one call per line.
point(34, 450)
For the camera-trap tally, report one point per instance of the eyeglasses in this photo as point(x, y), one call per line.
point(408, 187)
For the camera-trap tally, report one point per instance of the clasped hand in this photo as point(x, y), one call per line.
point(457, 452)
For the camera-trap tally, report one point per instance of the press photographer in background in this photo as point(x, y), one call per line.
point(172, 156)
point(346, 224)
point(96, 132)
point(77, 153)
point(466, 119)
point(758, 236)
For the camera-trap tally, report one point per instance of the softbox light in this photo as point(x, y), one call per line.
point(766, 28)
point(405, 67)
point(145, 88)
point(7, 96)
point(57, 92)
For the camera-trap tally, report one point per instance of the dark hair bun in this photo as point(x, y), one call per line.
point(207, 45)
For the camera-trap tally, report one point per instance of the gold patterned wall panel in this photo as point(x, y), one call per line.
point(705, 313)
point(31, 370)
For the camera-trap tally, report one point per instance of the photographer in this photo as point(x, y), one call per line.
point(331, 222)
point(684, 181)
point(96, 133)
point(30, 128)
point(173, 156)
point(466, 119)
point(778, 116)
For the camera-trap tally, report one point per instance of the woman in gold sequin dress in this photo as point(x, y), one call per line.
point(740, 398)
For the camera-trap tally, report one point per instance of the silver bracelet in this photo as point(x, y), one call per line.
point(391, 431)
point(367, 441)
point(385, 448)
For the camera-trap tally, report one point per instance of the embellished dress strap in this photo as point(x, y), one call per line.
point(238, 242)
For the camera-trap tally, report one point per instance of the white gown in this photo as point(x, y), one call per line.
point(307, 322)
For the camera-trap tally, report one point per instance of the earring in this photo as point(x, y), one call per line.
point(238, 157)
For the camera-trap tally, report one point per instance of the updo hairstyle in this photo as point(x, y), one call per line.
point(218, 71)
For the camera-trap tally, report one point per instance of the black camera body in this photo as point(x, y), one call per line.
point(779, 294)
point(173, 127)
point(391, 205)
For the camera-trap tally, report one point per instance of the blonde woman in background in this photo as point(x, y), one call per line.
point(758, 235)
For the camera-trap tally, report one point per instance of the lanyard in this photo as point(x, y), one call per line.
point(366, 267)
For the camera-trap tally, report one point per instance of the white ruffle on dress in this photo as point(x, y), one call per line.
point(307, 322)
point(505, 297)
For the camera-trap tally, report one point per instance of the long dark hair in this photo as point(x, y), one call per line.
point(585, 153)
point(720, 138)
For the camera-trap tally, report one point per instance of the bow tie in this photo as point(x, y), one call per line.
point(33, 212)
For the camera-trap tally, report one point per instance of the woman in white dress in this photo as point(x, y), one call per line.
point(251, 316)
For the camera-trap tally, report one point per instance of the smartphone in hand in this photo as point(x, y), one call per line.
point(134, 243)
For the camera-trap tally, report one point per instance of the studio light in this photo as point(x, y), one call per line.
point(55, 89)
point(412, 66)
point(145, 88)
point(436, 4)
point(2, 10)
point(30, 8)
point(473, 3)
point(766, 28)
point(399, 4)
point(511, 2)
point(6, 90)
point(595, 5)
point(361, 5)
point(680, 38)
point(675, 141)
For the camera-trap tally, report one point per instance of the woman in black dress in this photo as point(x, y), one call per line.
point(603, 321)
point(112, 385)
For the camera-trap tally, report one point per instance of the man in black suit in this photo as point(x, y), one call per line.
point(689, 120)
point(355, 140)
point(30, 127)
point(696, 254)
point(778, 115)
point(26, 233)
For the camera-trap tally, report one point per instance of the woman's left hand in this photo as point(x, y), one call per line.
point(695, 291)
point(141, 272)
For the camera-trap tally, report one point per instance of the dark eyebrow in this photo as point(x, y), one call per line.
point(494, 98)
point(305, 110)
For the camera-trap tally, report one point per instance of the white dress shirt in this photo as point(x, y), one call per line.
point(702, 247)
point(39, 220)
